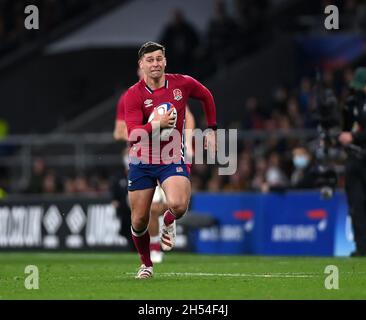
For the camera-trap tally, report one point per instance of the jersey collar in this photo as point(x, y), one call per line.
point(166, 84)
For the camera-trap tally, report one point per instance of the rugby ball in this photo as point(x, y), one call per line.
point(163, 108)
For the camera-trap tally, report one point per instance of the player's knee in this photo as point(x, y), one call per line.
point(139, 222)
point(178, 207)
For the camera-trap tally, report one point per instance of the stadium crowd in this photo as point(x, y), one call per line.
point(268, 164)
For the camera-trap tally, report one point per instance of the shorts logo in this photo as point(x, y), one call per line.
point(179, 169)
point(129, 183)
point(177, 94)
point(148, 103)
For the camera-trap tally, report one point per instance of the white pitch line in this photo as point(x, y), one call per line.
point(248, 275)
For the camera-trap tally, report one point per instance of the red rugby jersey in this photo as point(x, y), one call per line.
point(140, 101)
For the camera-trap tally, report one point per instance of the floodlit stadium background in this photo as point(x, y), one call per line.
point(59, 86)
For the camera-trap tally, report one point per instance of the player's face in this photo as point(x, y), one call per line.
point(153, 64)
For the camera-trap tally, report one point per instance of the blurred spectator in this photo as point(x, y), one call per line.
point(200, 174)
point(222, 36)
point(276, 179)
point(50, 183)
point(81, 184)
point(102, 185)
point(328, 78)
point(181, 41)
point(38, 174)
point(283, 123)
point(259, 179)
point(304, 94)
point(302, 176)
point(347, 76)
point(279, 98)
point(197, 183)
point(69, 186)
point(215, 182)
point(295, 118)
point(235, 183)
point(253, 117)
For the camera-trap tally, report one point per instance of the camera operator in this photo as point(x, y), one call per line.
point(353, 138)
point(328, 117)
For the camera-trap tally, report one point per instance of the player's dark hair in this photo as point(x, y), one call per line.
point(150, 47)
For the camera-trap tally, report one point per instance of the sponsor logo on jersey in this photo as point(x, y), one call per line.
point(177, 94)
point(148, 103)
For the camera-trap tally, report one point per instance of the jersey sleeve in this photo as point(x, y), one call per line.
point(120, 114)
point(134, 116)
point(198, 91)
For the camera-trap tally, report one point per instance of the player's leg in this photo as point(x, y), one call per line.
point(158, 207)
point(177, 189)
point(140, 193)
point(140, 202)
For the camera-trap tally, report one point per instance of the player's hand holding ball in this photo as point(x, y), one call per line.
point(167, 120)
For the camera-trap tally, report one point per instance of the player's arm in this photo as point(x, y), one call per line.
point(190, 125)
point(120, 130)
point(134, 116)
point(200, 92)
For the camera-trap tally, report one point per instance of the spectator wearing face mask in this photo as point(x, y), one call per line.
point(302, 177)
point(275, 178)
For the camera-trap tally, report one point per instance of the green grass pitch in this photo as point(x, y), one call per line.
point(180, 276)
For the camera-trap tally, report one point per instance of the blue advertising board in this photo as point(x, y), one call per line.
point(344, 244)
point(292, 223)
point(236, 217)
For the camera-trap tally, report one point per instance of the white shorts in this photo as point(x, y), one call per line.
point(159, 195)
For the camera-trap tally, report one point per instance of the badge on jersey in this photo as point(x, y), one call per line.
point(148, 103)
point(177, 94)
